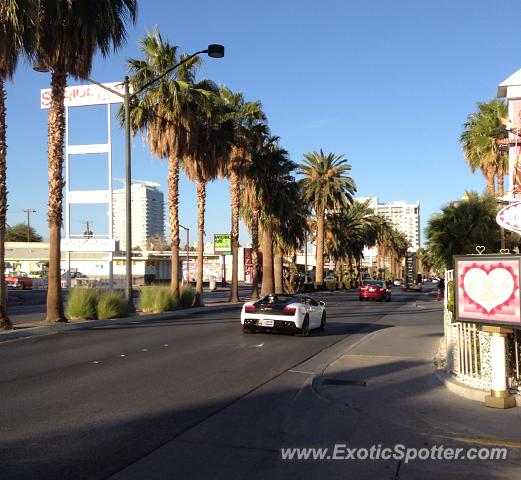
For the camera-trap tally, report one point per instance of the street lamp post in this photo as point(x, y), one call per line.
point(187, 230)
point(214, 51)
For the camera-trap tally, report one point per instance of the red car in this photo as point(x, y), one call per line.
point(375, 290)
point(19, 281)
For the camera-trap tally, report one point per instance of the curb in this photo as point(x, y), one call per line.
point(465, 391)
point(65, 327)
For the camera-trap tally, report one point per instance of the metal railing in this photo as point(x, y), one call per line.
point(467, 348)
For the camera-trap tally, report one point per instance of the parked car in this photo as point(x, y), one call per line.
point(20, 281)
point(375, 290)
point(398, 282)
point(297, 314)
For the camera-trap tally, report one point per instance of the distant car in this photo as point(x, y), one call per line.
point(296, 314)
point(374, 290)
point(19, 281)
point(398, 282)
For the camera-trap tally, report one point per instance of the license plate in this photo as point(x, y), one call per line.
point(267, 323)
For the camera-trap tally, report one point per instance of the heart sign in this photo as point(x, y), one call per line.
point(489, 290)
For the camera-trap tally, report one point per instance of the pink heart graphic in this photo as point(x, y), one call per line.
point(489, 290)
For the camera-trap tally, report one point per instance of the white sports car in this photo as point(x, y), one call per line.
point(284, 312)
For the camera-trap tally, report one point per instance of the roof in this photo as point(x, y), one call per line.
point(513, 81)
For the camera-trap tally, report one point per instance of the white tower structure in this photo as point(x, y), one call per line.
point(148, 207)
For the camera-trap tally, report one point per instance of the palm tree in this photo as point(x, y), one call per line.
point(15, 25)
point(266, 178)
point(326, 188)
point(462, 226)
point(256, 191)
point(291, 227)
point(211, 132)
point(67, 37)
point(479, 139)
point(249, 131)
point(163, 113)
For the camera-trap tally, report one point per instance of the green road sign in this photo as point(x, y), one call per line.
point(222, 243)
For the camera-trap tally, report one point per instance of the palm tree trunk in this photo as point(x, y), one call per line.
point(278, 276)
point(255, 252)
point(5, 322)
point(56, 127)
point(319, 276)
point(201, 204)
point(501, 178)
point(173, 209)
point(235, 205)
point(491, 188)
point(268, 283)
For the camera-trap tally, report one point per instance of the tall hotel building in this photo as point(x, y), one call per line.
point(404, 216)
point(148, 207)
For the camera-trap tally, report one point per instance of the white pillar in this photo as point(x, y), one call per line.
point(499, 396)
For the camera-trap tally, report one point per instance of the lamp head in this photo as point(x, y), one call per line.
point(215, 50)
point(40, 66)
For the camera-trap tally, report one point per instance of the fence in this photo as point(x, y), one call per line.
point(467, 347)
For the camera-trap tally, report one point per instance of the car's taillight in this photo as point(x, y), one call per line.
point(249, 308)
point(290, 310)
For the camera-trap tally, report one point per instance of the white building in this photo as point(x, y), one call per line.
point(148, 208)
point(404, 216)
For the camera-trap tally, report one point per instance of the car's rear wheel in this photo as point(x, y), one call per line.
point(323, 322)
point(304, 331)
point(361, 299)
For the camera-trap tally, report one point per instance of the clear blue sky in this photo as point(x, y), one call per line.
point(388, 84)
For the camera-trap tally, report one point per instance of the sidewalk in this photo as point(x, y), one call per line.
point(396, 364)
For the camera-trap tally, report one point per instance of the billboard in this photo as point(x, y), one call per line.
point(82, 95)
point(222, 243)
point(487, 289)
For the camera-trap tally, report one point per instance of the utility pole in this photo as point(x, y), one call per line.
point(29, 211)
point(88, 232)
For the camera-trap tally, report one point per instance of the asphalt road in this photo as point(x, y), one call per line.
point(88, 403)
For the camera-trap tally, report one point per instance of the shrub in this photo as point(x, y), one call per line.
point(156, 299)
point(146, 299)
point(112, 305)
point(307, 288)
point(163, 300)
point(82, 303)
point(187, 297)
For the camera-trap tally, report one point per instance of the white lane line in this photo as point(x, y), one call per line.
point(300, 371)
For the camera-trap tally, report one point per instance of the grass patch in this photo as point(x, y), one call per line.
point(156, 299)
point(82, 303)
point(186, 296)
point(94, 304)
point(146, 299)
point(112, 305)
